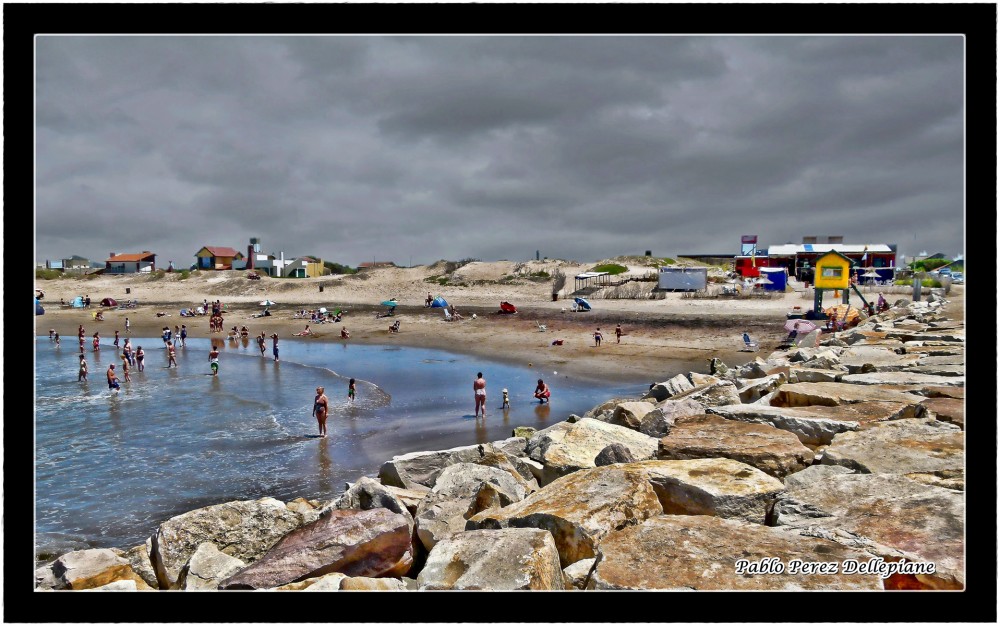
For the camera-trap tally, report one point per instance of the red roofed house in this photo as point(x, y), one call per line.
point(130, 263)
point(217, 258)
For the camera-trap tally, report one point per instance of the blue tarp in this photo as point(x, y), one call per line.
point(583, 304)
point(776, 275)
point(439, 302)
point(77, 302)
point(38, 308)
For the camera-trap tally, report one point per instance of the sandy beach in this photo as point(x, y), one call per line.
point(661, 337)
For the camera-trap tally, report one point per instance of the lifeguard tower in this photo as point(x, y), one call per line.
point(833, 272)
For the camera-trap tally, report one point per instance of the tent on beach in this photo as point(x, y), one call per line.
point(109, 302)
point(582, 305)
point(77, 302)
point(507, 307)
point(38, 308)
point(439, 302)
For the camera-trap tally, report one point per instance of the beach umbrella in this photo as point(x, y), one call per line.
point(322, 310)
point(267, 303)
point(802, 326)
point(583, 304)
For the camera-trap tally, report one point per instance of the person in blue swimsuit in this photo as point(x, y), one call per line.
point(321, 406)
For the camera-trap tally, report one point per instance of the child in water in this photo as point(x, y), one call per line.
point(351, 389)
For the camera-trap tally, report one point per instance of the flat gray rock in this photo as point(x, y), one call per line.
point(900, 447)
point(504, 559)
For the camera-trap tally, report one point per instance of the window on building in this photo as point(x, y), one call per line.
point(832, 272)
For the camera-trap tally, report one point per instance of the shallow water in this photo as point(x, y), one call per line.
point(111, 467)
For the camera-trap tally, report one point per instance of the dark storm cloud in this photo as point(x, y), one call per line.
point(357, 147)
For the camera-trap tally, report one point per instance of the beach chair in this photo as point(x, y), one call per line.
point(749, 345)
point(447, 315)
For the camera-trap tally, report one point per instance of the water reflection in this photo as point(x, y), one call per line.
point(542, 412)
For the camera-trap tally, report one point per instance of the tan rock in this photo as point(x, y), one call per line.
point(951, 410)
point(361, 583)
point(696, 552)
point(502, 559)
point(579, 509)
point(87, 569)
point(836, 394)
point(900, 447)
point(575, 446)
point(719, 487)
point(773, 451)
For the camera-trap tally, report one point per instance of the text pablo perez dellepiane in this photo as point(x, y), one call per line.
point(877, 565)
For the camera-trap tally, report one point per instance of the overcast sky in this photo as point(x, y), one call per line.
point(414, 149)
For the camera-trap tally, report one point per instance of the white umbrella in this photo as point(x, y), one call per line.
point(322, 310)
point(267, 303)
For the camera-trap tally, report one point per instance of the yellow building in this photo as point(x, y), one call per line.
point(217, 258)
point(833, 271)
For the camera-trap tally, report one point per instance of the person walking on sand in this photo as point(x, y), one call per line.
point(618, 333)
point(125, 369)
point(171, 355)
point(351, 390)
point(597, 337)
point(479, 389)
point(113, 378)
point(83, 369)
point(140, 357)
point(262, 343)
point(274, 346)
point(128, 326)
point(213, 359)
point(321, 406)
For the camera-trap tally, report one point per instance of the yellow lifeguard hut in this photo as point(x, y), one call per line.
point(833, 271)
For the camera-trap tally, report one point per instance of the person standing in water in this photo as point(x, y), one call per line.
point(274, 347)
point(115, 342)
point(97, 342)
point(351, 390)
point(213, 358)
point(479, 389)
point(125, 368)
point(113, 378)
point(262, 343)
point(321, 406)
point(83, 369)
point(171, 355)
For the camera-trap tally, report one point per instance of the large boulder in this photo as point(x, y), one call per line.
point(887, 516)
point(817, 425)
point(697, 552)
point(667, 389)
point(719, 487)
point(92, 568)
point(409, 497)
point(579, 509)
point(461, 491)
point(836, 394)
point(375, 543)
point(717, 393)
point(365, 583)
point(505, 559)
point(752, 391)
point(513, 465)
point(660, 420)
point(900, 447)
point(813, 375)
point(422, 468)
point(576, 575)
point(881, 358)
point(138, 558)
point(366, 494)
point(575, 446)
point(951, 410)
point(630, 414)
point(776, 452)
point(207, 568)
point(905, 377)
point(246, 529)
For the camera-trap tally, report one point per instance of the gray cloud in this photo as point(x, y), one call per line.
point(355, 147)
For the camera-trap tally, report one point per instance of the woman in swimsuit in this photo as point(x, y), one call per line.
point(479, 388)
point(97, 342)
point(320, 407)
point(139, 356)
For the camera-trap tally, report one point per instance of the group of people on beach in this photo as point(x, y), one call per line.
point(542, 394)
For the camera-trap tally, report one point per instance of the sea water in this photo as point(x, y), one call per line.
point(111, 466)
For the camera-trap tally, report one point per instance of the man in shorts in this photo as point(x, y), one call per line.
point(113, 379)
